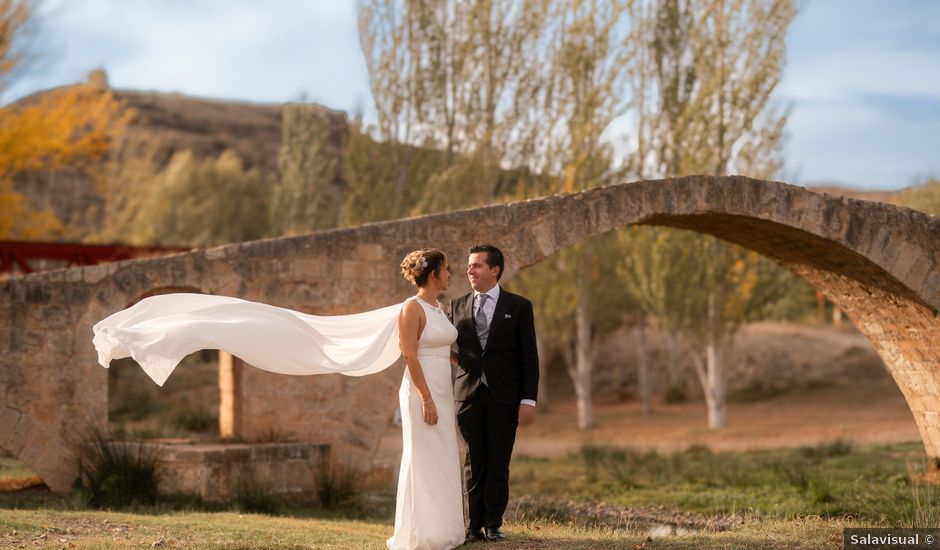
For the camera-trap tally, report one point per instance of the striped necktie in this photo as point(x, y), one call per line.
point(482, 326)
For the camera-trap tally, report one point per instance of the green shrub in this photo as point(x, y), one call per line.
point(794, 473)
point(910, 501)
point(336, 485)
point(839, 447)
point(821, 491)
point(251, 496)
point(117, 474)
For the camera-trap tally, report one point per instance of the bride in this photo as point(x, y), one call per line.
point(429, 505)
point(158, 332)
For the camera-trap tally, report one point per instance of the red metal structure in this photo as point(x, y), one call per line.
point(19, 254)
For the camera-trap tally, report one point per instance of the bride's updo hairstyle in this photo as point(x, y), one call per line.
point(418, 265)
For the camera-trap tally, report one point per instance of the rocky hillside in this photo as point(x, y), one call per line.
point(163, 125)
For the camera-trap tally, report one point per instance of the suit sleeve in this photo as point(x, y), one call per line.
point(530, 353)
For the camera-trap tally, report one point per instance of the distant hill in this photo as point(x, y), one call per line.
point(165, 124)
point(209, 127)
point(168, 123)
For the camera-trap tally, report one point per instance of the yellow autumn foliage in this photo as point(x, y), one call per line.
point(19, 220)
point(69, 128)
point(73, 128)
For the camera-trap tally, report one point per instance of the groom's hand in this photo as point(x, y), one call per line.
point(526, 414)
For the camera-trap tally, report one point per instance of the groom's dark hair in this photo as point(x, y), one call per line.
point(494, 258)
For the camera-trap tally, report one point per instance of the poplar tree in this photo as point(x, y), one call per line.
point(458, 76)
point(521, 97)
point(705, 86)
point(312, 188)
point(204, 202)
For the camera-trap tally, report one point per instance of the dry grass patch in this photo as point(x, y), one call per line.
point(109, 530)
point(94, 530)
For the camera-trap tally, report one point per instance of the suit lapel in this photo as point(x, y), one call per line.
point(468, 308)
point(502, 304)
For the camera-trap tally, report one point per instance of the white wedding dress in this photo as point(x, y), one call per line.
point(429, 506)
point(158, 332)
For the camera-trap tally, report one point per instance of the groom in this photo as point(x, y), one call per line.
point(496, 386)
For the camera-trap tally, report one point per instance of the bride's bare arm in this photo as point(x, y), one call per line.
point(410, 324)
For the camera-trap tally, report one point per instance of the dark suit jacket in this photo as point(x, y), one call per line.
point(510, 360)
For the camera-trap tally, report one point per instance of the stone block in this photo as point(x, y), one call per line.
point(238, 454)
point(215, 471)
point(95, 273)
point(370, 252)
point(907, 257)
point(931, 290)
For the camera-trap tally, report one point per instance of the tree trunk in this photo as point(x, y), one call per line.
point(584, 364)
point(711, 370)
point(836, 315)
point(709, 375)
point(643, 367)
point(715, 395)
point(714, 390)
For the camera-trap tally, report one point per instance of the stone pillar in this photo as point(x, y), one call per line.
point(231, 400)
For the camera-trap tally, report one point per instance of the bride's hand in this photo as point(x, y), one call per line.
point(430, 412)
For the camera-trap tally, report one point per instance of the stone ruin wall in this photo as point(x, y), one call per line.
point(879, 263)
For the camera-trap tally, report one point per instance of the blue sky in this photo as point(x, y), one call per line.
point(863, 76)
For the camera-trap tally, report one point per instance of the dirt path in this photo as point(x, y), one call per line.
point(868, 412)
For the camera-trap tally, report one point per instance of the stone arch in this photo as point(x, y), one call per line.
point(879, 263)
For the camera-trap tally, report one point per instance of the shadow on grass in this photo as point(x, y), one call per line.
point(117, 476)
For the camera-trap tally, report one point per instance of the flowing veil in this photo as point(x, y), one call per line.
point(158, 332)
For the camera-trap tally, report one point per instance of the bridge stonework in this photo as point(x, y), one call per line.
point(879, 263)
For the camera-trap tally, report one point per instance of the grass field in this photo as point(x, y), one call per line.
point(105, 530)
point(595, 498)
point(873, 483)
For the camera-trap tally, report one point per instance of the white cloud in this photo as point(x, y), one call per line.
point(240, 50)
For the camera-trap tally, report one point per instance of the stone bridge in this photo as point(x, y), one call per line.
point(878, 262)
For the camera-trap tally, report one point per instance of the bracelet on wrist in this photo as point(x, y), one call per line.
point(429, 401)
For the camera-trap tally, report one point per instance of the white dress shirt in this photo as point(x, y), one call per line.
point(489, 308)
